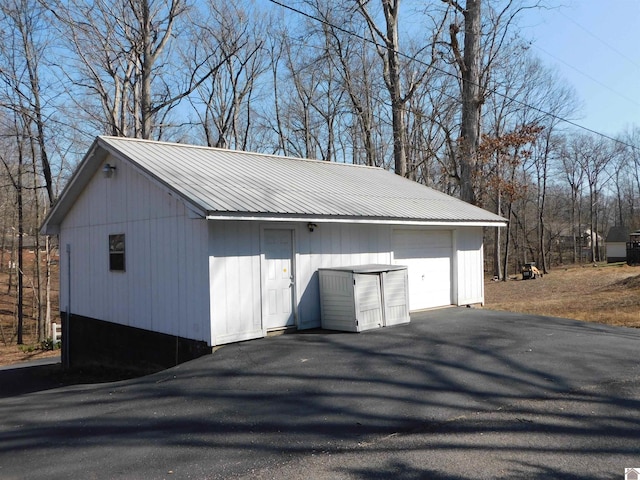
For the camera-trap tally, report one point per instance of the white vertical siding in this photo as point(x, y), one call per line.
point(234, 277)
point(164, 287)
point(234, 270)
point(469, 273)
point(334, 245)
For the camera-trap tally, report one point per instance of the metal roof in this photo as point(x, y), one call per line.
point(226, 183)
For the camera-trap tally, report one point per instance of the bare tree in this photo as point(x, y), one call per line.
point(468, 62)
point(593, 155)
point(305, 80)
point(275, 122)
point(357, 71)
point(21, 64)
point(126, 56)
point(485, 35)
point(389, 51)
point(629, 176)
point(574, 177)
point(223, 102)
point(13, 160)
point(544, 90)
point(507, 155)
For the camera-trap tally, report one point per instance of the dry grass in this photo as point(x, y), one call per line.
point(601, 293)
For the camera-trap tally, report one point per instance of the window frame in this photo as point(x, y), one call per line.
point(117, 255)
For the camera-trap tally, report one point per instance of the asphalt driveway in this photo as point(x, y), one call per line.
point(458, 393)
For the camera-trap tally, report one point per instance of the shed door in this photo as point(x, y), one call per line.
point(427, 255)
point(395, 297)
point(368, 301)
point(277, 278)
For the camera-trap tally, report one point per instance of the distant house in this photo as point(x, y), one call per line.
point(168, 250)
point(616, 244)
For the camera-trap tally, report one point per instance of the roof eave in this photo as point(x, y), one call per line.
point(80, 178)
point(271, 217)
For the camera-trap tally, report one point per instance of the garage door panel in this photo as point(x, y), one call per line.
point(410, 244)
point(427, 255)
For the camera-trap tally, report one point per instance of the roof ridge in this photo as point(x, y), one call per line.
point(108, 138)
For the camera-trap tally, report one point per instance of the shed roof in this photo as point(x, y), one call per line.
point(219, 183)
point(618, 235)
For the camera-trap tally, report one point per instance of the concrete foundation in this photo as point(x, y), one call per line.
point(88, 341)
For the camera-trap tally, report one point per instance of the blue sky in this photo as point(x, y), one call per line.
point(595, 46)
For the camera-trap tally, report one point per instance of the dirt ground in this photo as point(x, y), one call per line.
point(10, 352)
point(600, 293)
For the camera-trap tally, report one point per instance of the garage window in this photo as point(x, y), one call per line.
point(116, 253)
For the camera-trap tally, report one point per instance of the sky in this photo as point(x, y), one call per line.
point(595, 47)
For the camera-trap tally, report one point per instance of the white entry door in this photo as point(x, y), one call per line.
point(277, 278)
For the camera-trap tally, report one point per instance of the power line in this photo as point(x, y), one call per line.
point(440, 70)
point(608, 45)
point(595, 80)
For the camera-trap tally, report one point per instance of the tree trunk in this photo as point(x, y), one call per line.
point(592, 224)
point(507, 243)
point(497, 268)
point(147, 66)
point(20, 248)
point(574, 201)
point(41, 327)
point(542, 195)
point(392, 77)
point(469, 129)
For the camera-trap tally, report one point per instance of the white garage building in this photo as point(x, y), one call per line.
point(168, 250)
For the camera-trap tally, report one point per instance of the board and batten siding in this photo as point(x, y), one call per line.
point(234, 279)
point(334, 245)
point(164, 286)
point(235, 251)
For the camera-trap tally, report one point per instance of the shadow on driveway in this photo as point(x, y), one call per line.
point(458, 393)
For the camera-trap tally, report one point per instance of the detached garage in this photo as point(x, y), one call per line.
point(168, 250)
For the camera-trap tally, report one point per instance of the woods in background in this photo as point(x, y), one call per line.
point(444, 92)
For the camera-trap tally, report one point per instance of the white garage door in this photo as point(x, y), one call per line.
point(427, 254)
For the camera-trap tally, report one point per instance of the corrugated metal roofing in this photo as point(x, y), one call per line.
point(226, 182)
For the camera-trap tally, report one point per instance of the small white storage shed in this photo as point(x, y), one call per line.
point(616, 244)
point(363, 297)
point(168, 250)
